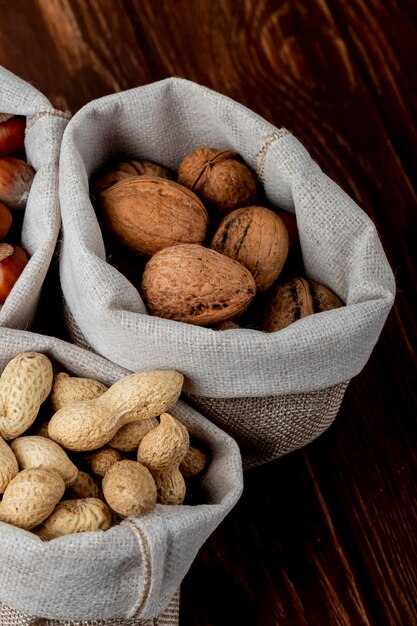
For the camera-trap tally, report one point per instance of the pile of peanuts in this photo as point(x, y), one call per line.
point(122, 435)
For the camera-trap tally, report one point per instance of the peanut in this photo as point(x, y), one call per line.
point(91, 424)
point(8, 465)
point(129, 488)
point(193, 463)
point(76, 516)
point(25, 383)
point(162, 451)
point(31, 497)
point(129, 437)
point(84, 486)
point(101, 460)
point(34, 451)
point(67, 389)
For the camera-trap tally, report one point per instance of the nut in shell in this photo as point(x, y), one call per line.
point(129, 437)
point(13, 260)
point(194, 462)
point(323, 298)
point(88, 425)
point(190, 283)
point(31, 497)
point(256, 237)
point(101, 461)
point(16, 178)
point(287, 304)
point(35, 452)
point(129, 488)
point(115, 172)
point(76, 516)
point(84, 486)
point(219, 178)
point(161, 451)
point(25, 383)
point(147, 214)
point(9, 467)
point(67, 389)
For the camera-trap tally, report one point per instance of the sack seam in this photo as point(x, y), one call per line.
point(261, 156)
point(147, 566)
point(66, 115)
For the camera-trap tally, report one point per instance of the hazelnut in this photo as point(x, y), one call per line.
point(148, 213)
point(13, 260)
point(219, 178)
point(5, 220)
point(16, 178)
point(12, 135)
point(257, 238)
point(111, 175)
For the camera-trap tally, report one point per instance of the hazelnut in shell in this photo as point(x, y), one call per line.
point(147, 214)
point(5, 220)
point(219, 178)
point(13, 260)
point(256, 237)
point(12, 135)
point(16, 178)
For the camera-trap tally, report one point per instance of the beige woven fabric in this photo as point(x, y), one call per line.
point(267, 428)
point(170, 617)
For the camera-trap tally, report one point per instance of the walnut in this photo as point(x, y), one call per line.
point(288, 303)
point(257, 238)
point(193, 284)
point(323, 298)
point(111, 174)
point(219, 178)
point(148, 213)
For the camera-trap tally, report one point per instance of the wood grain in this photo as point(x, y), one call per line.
point(325, 536)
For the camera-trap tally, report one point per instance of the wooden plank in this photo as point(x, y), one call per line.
point(325, 535)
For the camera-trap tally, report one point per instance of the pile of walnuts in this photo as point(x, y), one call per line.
point(211, 252)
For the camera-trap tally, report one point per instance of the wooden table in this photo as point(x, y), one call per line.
point(326, 535)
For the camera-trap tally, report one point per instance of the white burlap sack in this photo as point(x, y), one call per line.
point(131, 572)
point(315, 357)
point(41, 223)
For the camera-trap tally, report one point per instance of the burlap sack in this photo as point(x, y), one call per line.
point(41, 223)
point(273, 392)
point(128, 575)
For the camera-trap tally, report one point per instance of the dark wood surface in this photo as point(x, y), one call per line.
point(326, 535)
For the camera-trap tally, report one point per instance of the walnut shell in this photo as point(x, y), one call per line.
point(287, 303)
point(257, 238)
point(112, 174)
point(148, 213)
point(218, 178)
point(323, 298)
point(190, 283)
